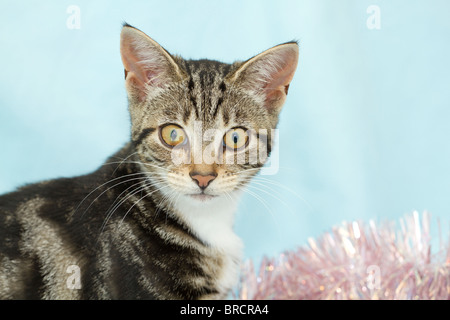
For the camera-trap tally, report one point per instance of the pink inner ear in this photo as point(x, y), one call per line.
point(277, 86)
point(144, 62)
point(151, 77)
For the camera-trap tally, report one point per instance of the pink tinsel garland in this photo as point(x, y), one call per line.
point(356, 261)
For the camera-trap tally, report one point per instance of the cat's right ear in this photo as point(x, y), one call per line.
point(268, 74)
point(147, 65)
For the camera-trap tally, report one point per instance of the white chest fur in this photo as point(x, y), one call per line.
point(212, 221)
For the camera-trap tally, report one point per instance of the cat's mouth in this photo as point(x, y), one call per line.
point(202, 197)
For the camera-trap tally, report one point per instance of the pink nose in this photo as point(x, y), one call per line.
point(203, 180)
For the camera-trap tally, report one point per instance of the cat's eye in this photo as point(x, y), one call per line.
point(235, 139)
point(172, 135)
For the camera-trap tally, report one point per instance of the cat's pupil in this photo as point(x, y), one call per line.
point(235, 137)
point(173, 135)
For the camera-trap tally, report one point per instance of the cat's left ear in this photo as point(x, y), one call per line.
point(269, 74)
point(147, 65)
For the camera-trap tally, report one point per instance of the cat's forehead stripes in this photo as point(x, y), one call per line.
point(207, 70)
point(206, 87)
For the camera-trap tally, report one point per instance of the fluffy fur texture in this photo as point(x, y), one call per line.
point(151, 223)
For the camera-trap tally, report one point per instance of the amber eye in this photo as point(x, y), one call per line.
point(172, 135)
point(235, 139)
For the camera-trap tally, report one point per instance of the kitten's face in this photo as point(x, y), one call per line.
point(202, 129)
point(198, 156)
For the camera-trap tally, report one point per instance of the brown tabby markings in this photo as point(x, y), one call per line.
point(141, 227)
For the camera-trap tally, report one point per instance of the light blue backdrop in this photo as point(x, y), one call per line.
point(364, 133)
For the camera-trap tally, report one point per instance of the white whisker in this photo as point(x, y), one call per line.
point(141, 187)
point(263, 202)
point(146, 195)
point(123, 160)
point(109, 181)
point(279, 185)
point(136, 162)
point(109, 188)
point(251, 185)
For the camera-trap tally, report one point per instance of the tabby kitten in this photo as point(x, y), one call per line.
point(156, 220)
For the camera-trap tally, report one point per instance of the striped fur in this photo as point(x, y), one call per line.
point(139, 227)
